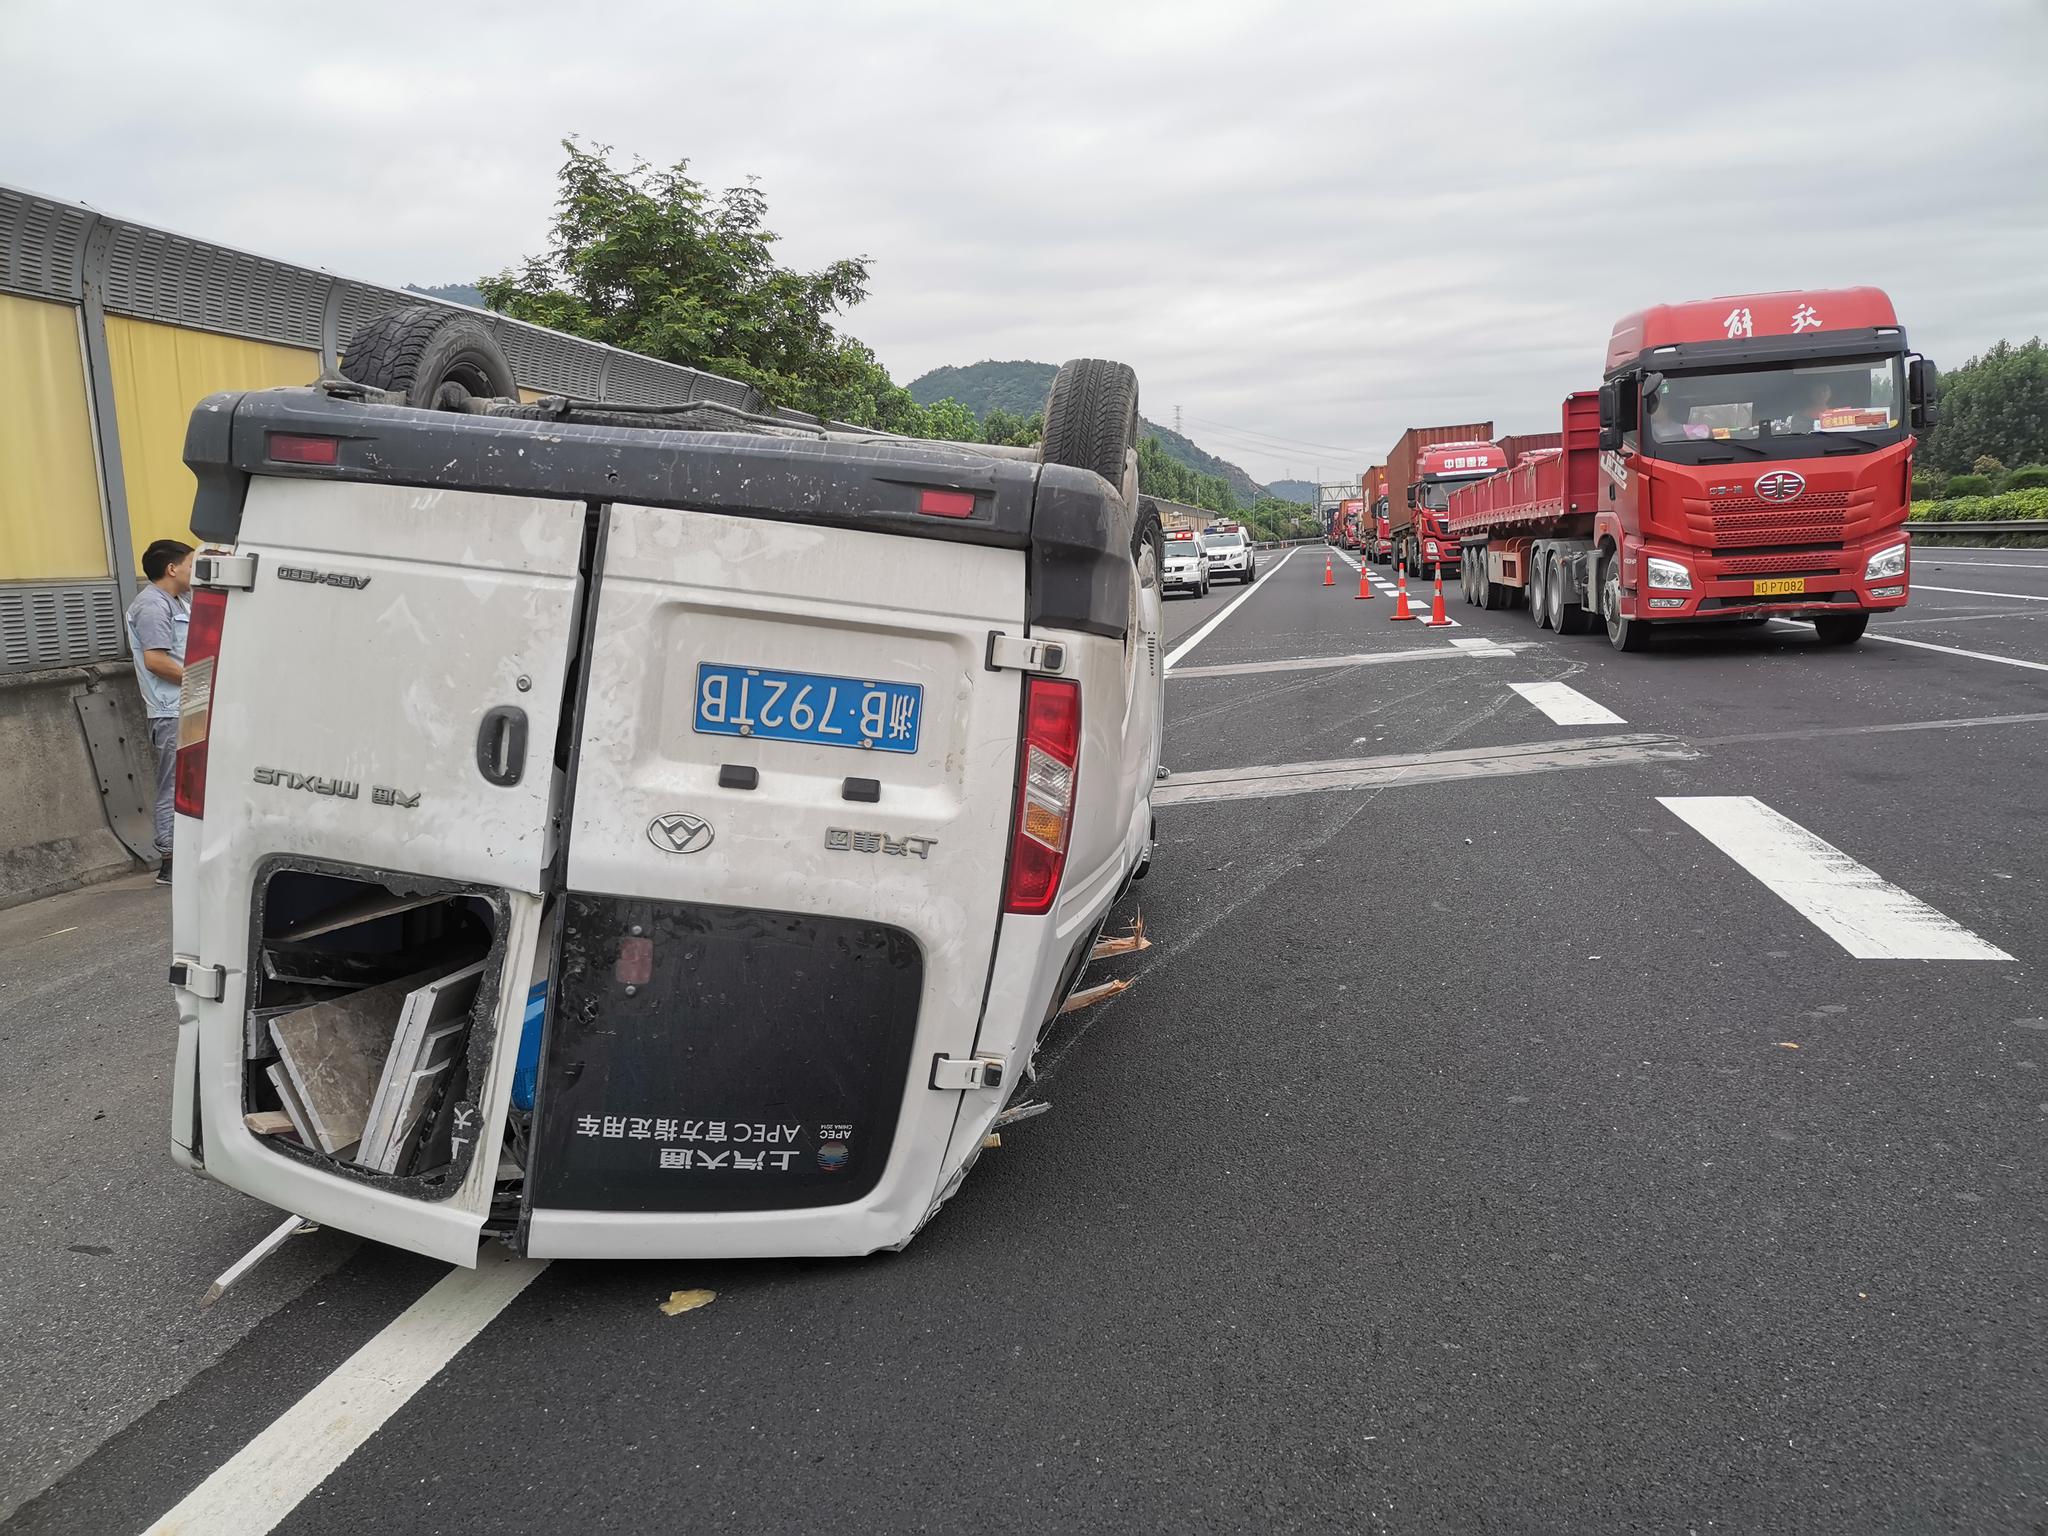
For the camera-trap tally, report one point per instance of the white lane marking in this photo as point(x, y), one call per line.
point(2018, 597)
point(1566, 705)
point(1852, 904)
point(1173, 657)
point(1361, 659)
point(1923, 558)
point(1950, 650)
point(268, 1478)
point(1417, 768)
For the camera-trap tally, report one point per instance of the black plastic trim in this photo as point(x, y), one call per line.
point(1073, 523)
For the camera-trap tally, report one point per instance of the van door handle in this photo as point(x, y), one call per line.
point(501, 744)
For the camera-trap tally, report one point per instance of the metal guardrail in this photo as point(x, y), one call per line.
point(1973, 525)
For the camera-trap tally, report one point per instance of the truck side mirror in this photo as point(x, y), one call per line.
point(1610, 416)
point(1923, 385)
point(1411, 496)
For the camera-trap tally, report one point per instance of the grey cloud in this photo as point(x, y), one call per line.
point(1311, 222)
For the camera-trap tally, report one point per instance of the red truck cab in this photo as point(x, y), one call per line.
point(1440, 469)
point(1756, 461)
point(1379, 533)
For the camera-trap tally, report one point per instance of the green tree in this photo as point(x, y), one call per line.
point(653, 261)
point(1993, 406)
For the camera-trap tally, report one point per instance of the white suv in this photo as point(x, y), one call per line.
point(1230, 554)
point(1187, 563)
point(633, 834)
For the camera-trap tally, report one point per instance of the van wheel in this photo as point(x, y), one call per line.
point(1091, 417)
point(439, 359)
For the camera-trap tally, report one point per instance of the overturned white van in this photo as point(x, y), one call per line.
point(641, 834)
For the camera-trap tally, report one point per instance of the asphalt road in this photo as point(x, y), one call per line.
point(1483, 1146)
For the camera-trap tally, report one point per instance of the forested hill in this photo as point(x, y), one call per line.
point(1021, 387)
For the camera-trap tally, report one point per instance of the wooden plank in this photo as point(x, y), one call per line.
point(368, 907)
point(269, 1122)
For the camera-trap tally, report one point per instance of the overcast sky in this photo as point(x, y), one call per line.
point(1306, 225)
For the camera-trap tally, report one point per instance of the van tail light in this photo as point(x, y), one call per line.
point(195, 699)
point(1044, 816)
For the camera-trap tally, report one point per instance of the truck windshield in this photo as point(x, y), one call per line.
point(1436, 494)
point(1791, 410)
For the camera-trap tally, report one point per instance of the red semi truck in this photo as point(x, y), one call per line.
point(1746, 458)
point(1379, 537)
point(1422, 470)
point(1344, 523)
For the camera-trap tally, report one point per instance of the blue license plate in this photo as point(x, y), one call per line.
point(808, 706)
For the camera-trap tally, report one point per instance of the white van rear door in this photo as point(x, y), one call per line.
point(869, 859)
point(373, 686)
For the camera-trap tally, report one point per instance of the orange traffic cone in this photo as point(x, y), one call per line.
point(1329, 571)
point(1438, 619)
point(1364, 586)
point(1401, 609)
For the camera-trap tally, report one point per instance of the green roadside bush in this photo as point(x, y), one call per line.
point(1966, 485)
point(1929, 485)
point(2008, 506)
point(2028, 477)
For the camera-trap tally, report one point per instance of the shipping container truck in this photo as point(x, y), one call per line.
point(1746, 458)
point(1518, 444)
point(1378, 544)
point(1422, 470)
point(1345, 523)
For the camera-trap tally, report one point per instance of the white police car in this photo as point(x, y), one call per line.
point(1230, 554)
point(1187, 563)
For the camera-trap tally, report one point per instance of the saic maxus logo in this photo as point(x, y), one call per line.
point(680, 832)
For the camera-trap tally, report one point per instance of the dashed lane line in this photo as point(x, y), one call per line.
point(1852, 904)
point(1480, 651)
point(1417, 768)
point(1174, 656)
point(270, 1476)
point(1566, 705)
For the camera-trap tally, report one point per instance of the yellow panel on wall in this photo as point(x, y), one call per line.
point(160, 373)
point(51, 528)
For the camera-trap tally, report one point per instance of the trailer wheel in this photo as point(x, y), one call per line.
point(1840, 628)
point(1622, 633)
point(1539, 591)
point(439, 359)
point(1566, 616)
point(1091, 417)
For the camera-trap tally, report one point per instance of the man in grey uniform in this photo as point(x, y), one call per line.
point(157, 621)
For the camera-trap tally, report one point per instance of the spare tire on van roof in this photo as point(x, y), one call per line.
point(1091, 417)
point(437, 358)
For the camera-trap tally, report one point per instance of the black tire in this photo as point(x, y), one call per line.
point(1539, 592)
point(1840, 628)
point(1623, 634)
point(436, 358)
point(1566, 616)
point(1091, 417)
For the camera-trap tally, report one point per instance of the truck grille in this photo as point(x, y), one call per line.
point(1820, 517)
point(1809, 562)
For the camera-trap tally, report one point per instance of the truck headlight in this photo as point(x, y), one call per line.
point(1429, 546)
point(1669, 573)
point(1886, 562)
